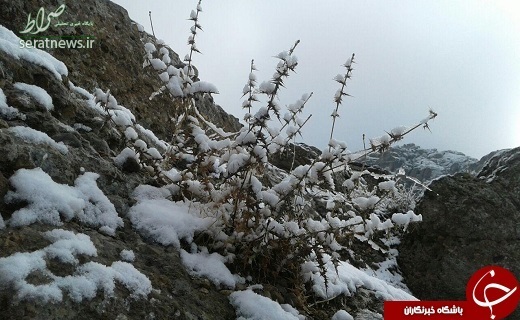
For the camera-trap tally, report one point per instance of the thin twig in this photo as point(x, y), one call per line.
point(151, 23)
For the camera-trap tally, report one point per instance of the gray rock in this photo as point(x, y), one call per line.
point(174, 295)
point(468, 223)
point(4, 187)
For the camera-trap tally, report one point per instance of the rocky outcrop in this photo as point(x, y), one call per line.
point(114, 62)
point(468, 223)
point(176, 294)
point(295, 155)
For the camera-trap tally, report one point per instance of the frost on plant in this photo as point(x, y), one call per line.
point(219, 199)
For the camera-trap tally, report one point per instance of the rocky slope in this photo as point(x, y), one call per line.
point(87, 147)
point(468, 222)
point(114, 62)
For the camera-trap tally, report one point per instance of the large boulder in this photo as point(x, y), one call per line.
point(468, 223)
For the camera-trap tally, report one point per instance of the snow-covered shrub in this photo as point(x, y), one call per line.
point(267, 223)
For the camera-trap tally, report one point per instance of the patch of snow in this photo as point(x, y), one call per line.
point(167, 222)
point(130, 134)
point(67, 245)
point(50, 202)
point(126, 153)
point(90, 98)
point(387, 270)
point(81, 91)
point(37, 137)
point(346, 281)
point(403, 219)
point(131, 278)
point(174, 87)
point(153, 153)
point(146, 192)
point(148, 47)
point(236, 161)
point(150, 135)
point(81, 127)
point(39, 94)
point(288, 308)
point(252, 306)
point(398, 131)
point(166, 59)
point(83, 284)
point(66, 127)
point(98, 210)
point(210, 266)
point(10, 44)
point(267, 87)
point(158, 64)
point(365, 203)
point(201, 86)
point(140, 145)
point(127, 255)
point(342, 315)
point(8, 112)
point(387, 185)
point(122, 116)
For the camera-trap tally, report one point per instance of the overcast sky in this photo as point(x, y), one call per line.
point(461, 58)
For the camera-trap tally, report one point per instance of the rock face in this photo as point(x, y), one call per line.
point(468, 223)
point(300, 153)
point(424, 164)
point(115, 63)
point(115, 60)
point(176, 295)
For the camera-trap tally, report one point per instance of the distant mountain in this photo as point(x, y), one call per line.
point(425, 164)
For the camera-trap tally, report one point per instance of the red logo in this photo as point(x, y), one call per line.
point(495, 289)
point(492, 293)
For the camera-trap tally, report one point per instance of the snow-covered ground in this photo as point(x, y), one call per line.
point(156, 217)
